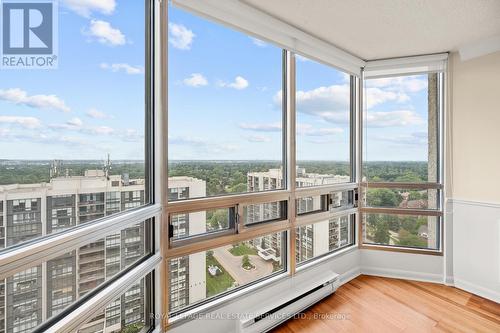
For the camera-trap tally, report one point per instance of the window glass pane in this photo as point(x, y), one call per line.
point(401, 129)
point(225, 109)
point(312, 204)
point(204, 275)
point(323, 124)
point(38, 293)
point(265, 212)
point(72, 138)
point(315, 240)
point(401, 198)
point(197, 223)
point(127, 313)
point(401, 230)
point(341, 200)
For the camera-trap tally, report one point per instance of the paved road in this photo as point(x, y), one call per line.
point(232, 264)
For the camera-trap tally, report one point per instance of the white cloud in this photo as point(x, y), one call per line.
point(258, 42)
point(129, 69)
point(392, 118)
point(40, 137)
point(77, 122)
point(96, 114)
point(406, 84)
point(302, 129)
point(72, 124)
point(309, 130)
point(195, 80)
point(414, 139)
point(71, 141)
point(258, 138)
point(329, 103)
point(180, 37)
point(186, 140)
point(376, 96)
point(86, 7)
point(270, 127)
point(202, 146)
point(99, 130)
point(4, 132)
point(26, 122)
point(131, 135)
point(105, 33)
point(19, 96)
point(239, 83)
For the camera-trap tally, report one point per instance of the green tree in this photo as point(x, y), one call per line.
point(381, 234)
point(218, 219)
point(383, 197)
point(245, 262)
point(408, 239)
point(409, 177)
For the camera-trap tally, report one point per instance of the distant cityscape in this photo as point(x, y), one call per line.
point(70, 193)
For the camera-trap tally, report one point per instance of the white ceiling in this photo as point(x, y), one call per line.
point(377, 29)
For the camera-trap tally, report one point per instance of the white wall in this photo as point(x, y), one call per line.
point(476, 251)
point(402, 265)
point(473, 169)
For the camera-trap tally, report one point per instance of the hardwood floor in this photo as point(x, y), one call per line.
point(376, 304)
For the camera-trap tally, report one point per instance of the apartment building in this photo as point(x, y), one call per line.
point(33, 210)
point(311, 240)
point(40, 292)
point(187, 274)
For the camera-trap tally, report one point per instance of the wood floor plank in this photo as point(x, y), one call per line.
point(377, 304)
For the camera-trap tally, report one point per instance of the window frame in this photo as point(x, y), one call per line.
point(289, 193)
point(438, 185)
point(18, 258)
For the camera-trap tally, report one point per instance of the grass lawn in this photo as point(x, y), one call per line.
point(219, 283)
point(242, 249)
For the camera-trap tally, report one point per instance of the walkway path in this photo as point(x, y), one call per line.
point(232, 264)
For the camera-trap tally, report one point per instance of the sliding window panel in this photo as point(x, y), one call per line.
point(311, 204)
point(195, 224)
point(401, 129)
point(324, 237)
point(264, 212)
point(225, 126)
point(410, 231)
point(201, 277)
point(323, 124)
point(73, 150)
point(43, 291)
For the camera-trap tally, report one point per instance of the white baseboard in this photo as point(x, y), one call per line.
point(449, 281)
point(350, 275)
point(402, 274)
point(478, 290)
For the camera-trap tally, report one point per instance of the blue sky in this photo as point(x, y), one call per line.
point(93, 103)
point(225, 101)
point(224, 96)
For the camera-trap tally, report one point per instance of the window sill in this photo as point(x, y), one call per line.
point(401, 249)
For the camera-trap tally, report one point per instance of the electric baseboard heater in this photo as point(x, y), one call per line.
point(270, 317)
